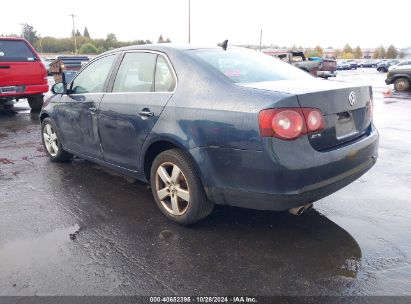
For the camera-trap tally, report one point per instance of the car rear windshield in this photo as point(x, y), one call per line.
point(245, 66)
point(15, 50)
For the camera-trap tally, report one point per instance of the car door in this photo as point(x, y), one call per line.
point(76, 113)
point(144, 83)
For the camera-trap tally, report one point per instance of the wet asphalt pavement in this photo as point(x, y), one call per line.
point(81, 229)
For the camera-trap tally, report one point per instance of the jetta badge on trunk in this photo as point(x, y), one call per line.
point(352, 98)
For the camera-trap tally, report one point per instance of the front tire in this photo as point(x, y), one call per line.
point(401, 84)
point(52, 143)
point(177, 188)
point(35, 102)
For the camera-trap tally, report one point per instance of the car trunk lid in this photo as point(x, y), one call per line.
point(345, 108)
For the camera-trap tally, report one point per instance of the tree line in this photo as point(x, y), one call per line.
point(88, 45)
point(85, 44)
point(347, 52)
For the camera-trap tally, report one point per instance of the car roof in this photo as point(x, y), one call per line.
point(12, 38)
point(162, 47)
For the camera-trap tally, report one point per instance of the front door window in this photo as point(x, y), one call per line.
point(93, 77)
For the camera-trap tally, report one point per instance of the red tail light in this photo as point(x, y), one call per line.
point(290, 123)
point(314, 119)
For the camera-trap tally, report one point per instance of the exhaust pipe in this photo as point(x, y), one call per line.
point(301, 209)
point(308, 207)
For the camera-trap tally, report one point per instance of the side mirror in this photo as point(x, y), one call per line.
point(58, 88)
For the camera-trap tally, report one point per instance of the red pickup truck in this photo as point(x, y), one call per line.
point(22, 74)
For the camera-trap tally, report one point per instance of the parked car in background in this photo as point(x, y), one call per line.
point(209, 126)
point(353, 64)
point(22, 73)
point(67, 67)
point(343, 65)
point(383, 66)
point(316, 66)
point(400, 65)
point(400, 77)
point(368, 64)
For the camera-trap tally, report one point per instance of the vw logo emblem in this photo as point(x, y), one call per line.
point(352, 98)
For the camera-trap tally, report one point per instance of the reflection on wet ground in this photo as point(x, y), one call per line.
point(77, 228)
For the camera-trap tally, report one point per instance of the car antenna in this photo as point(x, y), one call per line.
point(224, 44)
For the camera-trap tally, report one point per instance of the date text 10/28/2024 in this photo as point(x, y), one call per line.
point(176, 299)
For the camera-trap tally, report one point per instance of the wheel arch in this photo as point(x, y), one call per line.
point(406, 76)
point(43, 116)
point(159, 145)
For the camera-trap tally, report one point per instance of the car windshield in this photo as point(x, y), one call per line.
point(15, 50)
point(245, 66)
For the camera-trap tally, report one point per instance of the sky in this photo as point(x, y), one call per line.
point(284, 23)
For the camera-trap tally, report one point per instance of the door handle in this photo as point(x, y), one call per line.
point(93, 110)
point(146, 113)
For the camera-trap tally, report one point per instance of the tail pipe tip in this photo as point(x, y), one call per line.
point(301, 209)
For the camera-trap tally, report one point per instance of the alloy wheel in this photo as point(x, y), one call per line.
point(50, 140)
point(172, 189)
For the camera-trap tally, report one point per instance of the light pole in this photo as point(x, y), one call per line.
point(261, 38)
point(189, 21)
point(74, 33)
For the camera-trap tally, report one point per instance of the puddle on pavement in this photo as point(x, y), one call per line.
point(36, 250)
point(167, 235)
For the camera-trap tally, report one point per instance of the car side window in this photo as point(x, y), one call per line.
point(136, 73)
point(93, 77)
point(164, 79)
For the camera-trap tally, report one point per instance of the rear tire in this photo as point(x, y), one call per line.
point(177, 188)
point(35, 102)
point(401, 84)
point(52, 143)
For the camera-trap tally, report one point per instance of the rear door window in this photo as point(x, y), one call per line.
point(136, 73)
point(15, 51)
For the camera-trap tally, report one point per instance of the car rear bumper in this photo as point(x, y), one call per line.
point(326, 74)
point(388, 81)
point(280, 202)
point(22, 90)
point(283, 178)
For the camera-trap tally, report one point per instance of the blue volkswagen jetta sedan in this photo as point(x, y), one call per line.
point(209, 126)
